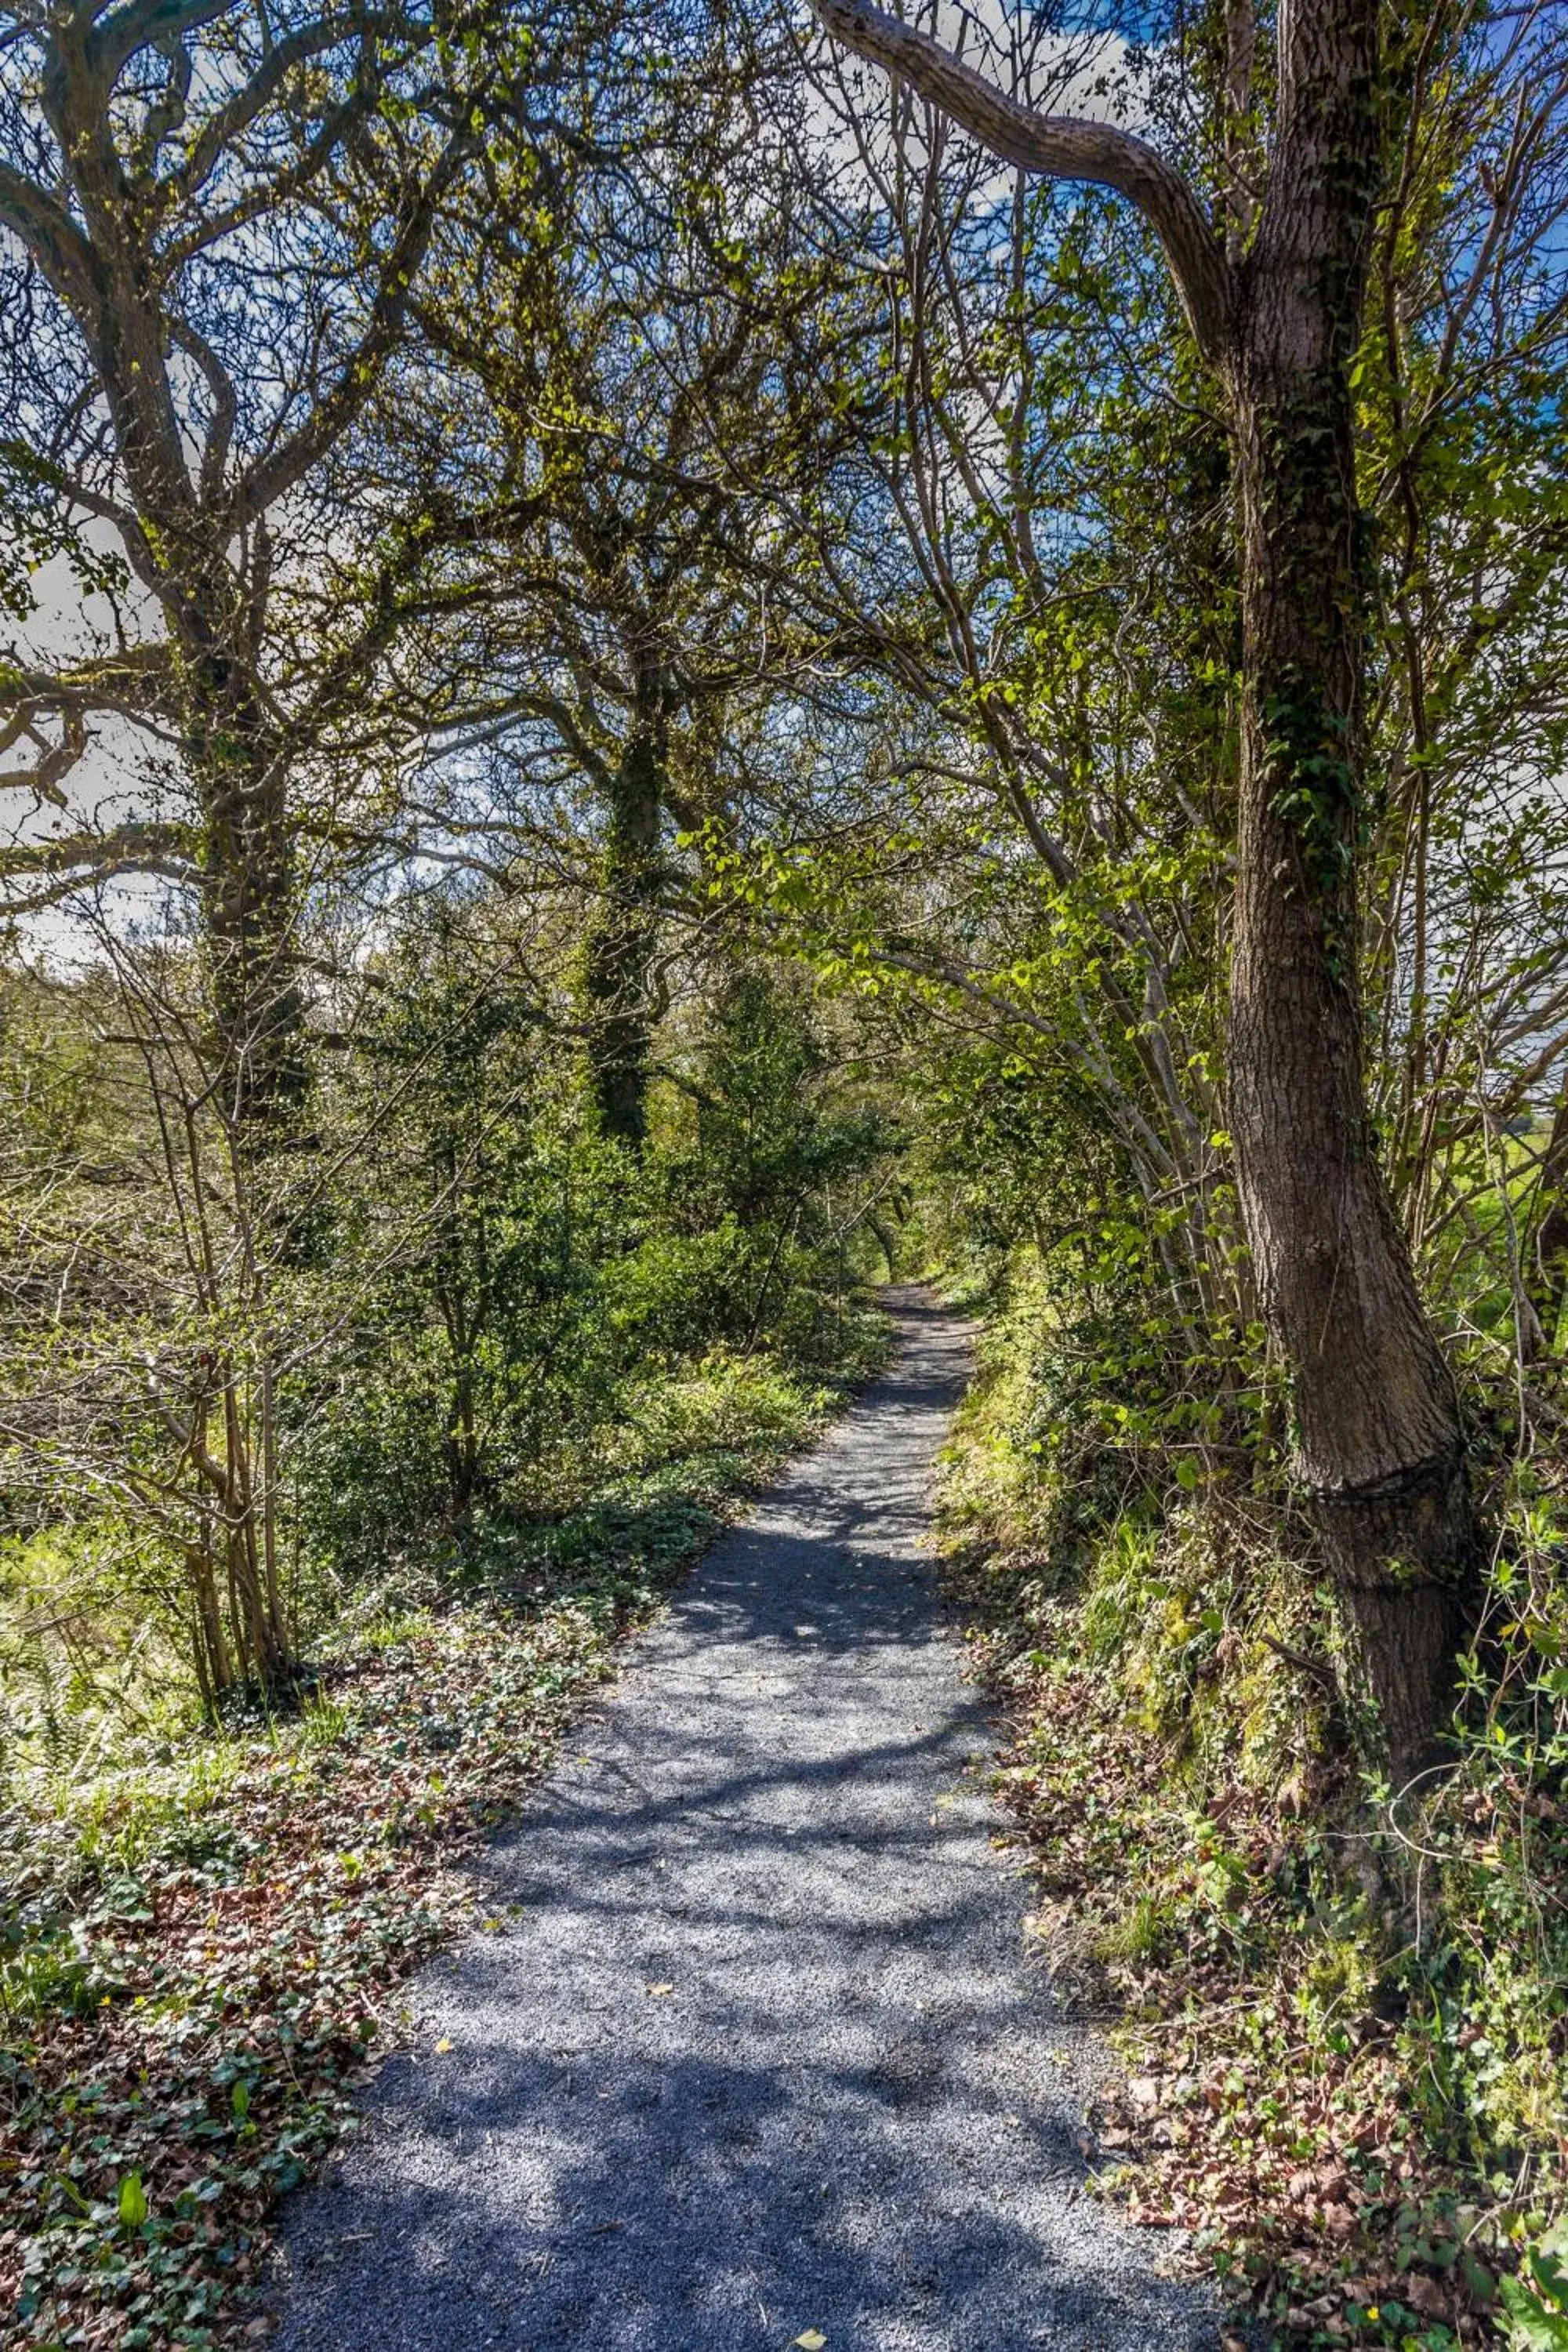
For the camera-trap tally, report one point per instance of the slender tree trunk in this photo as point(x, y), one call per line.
point(215, 1675)
point(622, 940)
point(261, 1636)
point(1379, 1440)
point(1546, 1272)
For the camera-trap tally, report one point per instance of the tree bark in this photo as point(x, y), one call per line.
point(1378, 1436)
point(1546, 1272)
point(251, 895)
point(622, 940)
point(1379, 1440)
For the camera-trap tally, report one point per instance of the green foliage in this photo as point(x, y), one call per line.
point(525, 1282)
point(454, 1315)
point(200, 1933)
point(809, 648)
point(1345, 2010)
point(1536, 2301)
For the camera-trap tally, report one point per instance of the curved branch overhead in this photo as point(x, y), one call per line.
point(1063, 146)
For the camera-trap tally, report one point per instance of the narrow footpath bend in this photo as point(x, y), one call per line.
point(760, 2053)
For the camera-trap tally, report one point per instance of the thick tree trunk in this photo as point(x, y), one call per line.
point(252, 899)
point(622, 940)
point(251, 947)
point(1379, 1440)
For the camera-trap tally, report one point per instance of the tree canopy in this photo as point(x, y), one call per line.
point(658, 664)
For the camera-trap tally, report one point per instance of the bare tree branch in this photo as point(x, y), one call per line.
point(342, 402)
point(1064, 146)
point(68, 860)
point(49, 233)
point(217, 136)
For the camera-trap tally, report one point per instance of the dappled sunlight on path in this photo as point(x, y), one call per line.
point(754, 2049)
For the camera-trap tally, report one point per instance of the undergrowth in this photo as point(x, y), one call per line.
point(1343, 2011)
point(203, 1940)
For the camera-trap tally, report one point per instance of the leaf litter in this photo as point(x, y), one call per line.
point(1272, 2132)
point(196, 1983)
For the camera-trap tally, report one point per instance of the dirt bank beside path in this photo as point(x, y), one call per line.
point(751, 2049)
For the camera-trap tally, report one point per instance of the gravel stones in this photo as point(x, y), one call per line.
point(753, 2050)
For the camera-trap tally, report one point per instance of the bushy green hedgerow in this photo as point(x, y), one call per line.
point(1344, 2007)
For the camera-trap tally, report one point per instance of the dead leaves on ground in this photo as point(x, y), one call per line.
point(202, 2007)
point(1286, 2150)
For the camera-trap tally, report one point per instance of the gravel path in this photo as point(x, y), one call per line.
point(759, 2053)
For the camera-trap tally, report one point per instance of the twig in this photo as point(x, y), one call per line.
point(1319, 1667)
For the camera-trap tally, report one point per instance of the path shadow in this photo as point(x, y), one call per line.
point(699, 2205)
point(753, 2051)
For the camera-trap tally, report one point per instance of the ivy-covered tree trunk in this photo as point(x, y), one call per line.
point(1379, 1442)
point(250, 899)
point(623, 939)
point(1379, 1447)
